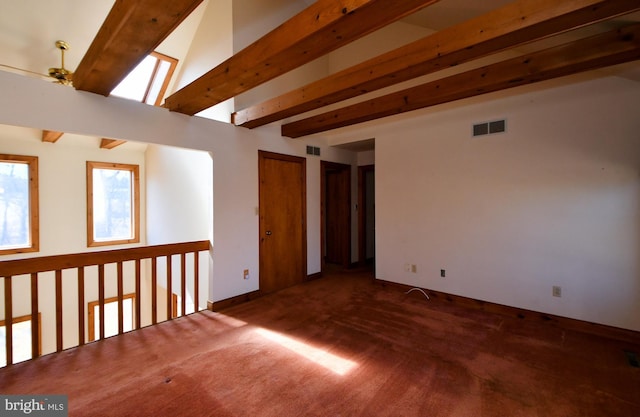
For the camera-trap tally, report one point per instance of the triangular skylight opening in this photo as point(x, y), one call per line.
point(148, 82)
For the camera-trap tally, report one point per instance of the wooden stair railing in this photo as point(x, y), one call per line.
point(13, 269)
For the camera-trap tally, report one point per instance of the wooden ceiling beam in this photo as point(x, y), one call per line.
point(319, 29)
point(110, 143)
point(51, 136)
point(611, 48)
point(131, 31)
point(507, 27)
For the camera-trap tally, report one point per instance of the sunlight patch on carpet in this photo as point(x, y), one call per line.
point(228, 320)
point(323, 358)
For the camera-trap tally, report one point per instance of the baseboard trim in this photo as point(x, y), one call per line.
point(232, 301)
point(243, 298)
point(317, 275)
point(596, 329)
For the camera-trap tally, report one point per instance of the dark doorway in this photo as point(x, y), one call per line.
point(283, 213)
point(336, 214)
point(366, 215)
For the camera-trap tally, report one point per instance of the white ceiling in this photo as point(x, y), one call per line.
point(29, 29)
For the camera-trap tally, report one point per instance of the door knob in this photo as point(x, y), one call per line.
point(268, 233)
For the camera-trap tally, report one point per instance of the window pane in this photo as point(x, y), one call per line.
point(158, 81)
point(14, 205)
point(21, 342)
point(112, 207)
point(111, 318)
point(135, 84)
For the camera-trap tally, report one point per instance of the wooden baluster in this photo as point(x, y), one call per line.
point(59, 332)
point(169, 289)
point(8, 320)
point(81, 313)
point(154, 290)
point(35, 320)
point(183, 281)
point(196, 282)
point(58, 264)
point(138, 299)
point(101, 298)
point(120, 299)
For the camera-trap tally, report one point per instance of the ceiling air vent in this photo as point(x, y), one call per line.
point(313, 150)
point(489, 128)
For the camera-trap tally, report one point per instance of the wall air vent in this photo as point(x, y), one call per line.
point(313, 150)
point(489, 128)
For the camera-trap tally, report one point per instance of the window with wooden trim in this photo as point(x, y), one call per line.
point(113, 203)
point(19, 220)
point(148, 82)
point(21, 340)
point(111, 316)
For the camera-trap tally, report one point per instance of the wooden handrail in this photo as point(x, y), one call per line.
point(76, 260)
point(10, 270)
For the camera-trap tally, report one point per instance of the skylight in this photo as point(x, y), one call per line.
point(148, 82)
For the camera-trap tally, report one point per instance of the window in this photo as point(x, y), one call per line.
point(19, 229)
point(111, 316)
point(21, 343)
point(148, 81)
point(113, 203)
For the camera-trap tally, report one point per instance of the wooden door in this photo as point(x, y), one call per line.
point(283, 211)
point(366, 214)
point(336, 213)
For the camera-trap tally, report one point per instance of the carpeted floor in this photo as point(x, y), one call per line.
point(341, 346)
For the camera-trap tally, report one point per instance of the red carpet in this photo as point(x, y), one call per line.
point(341, 346)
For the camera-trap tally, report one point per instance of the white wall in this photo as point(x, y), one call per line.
point(383, 40)
point(366, 158)
point(254, 19)
point(176, 203)
point(179, 194)
point(235, 163)
point(554, 201)
point(62, 182)
point(63, 226)
point(180, 209)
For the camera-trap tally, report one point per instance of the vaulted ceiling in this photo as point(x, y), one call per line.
point(543, 39)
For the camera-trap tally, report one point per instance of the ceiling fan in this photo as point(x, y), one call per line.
point(63, 75)
point(60, 75)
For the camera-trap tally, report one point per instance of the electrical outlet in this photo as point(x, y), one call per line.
point(407, 267)
point(556, 291)
point(246, 274)
point(443, 273)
